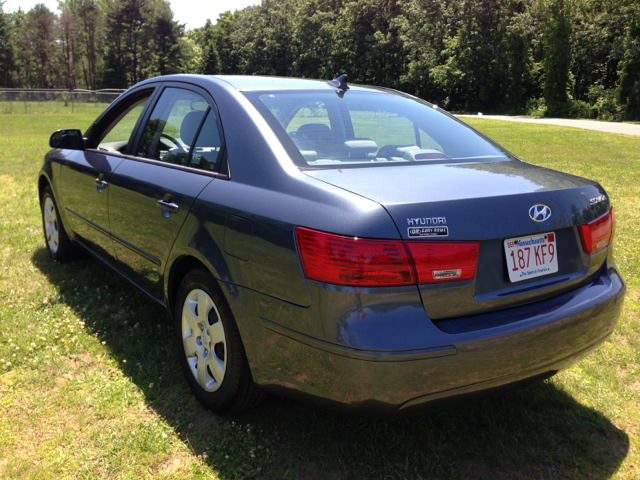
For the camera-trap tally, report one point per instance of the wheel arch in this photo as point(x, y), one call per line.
point(178, 270)
point(43, 182)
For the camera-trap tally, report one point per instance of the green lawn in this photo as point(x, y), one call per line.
point(90, 385)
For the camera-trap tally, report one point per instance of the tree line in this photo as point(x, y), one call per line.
point(577, 58)
point(90, 44)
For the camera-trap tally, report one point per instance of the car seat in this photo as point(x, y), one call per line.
point(188, 130)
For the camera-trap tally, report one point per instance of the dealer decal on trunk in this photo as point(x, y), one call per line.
point(427, 227)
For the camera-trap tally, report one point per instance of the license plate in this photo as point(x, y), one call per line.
point(532, 256)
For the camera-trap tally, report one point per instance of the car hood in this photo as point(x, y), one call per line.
point(476, 200)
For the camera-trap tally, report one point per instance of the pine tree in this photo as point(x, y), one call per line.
point(164, 45)
point(7, 65)
point(210, 64)
point(629, 89)
point(557, 55)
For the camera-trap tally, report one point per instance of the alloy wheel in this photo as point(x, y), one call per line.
point(51, 224)
point(204, 340)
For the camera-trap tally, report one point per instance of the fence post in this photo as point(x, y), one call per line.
point(71, 95)
point(24, 95)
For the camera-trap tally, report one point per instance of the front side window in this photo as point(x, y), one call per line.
point(369, 128)
point(172, 127)
point(116, 135)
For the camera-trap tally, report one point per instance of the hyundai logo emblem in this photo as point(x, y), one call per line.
point(540, 212)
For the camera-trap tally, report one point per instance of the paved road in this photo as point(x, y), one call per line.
point(611, 127)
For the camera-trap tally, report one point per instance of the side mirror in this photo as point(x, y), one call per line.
point(70, 139)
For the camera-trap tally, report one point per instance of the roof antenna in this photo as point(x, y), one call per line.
point(340, 84)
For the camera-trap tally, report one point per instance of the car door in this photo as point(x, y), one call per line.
point(176, 155)
point(86, 175)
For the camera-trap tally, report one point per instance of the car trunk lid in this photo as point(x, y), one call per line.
point(486, 202)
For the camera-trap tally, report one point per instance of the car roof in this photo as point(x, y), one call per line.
point(248, 83)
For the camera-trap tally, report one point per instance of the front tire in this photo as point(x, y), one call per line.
point(58, 243)
point(211, 352)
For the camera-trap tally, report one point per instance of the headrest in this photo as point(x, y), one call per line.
point(319, 129)
point(190, 125)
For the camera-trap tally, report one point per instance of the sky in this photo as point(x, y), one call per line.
point(192, 12)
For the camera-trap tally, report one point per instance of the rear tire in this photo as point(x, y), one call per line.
point(59, 245)
point(211, 352)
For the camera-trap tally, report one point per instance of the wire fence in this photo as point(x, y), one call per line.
point(19, 100)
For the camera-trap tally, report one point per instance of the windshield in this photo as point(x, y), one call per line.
point(368, 128)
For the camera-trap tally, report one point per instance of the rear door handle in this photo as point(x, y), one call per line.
point(101, 183)
point(172, 207)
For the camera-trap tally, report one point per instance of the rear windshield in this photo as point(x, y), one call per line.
point(365, 128)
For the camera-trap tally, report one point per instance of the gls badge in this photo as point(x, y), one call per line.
point(540, 212)
point(427, 227)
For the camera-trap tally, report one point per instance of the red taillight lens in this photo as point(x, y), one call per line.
point(613, 225)
point(444, 262)
point(598, 234)
point(353, 261)
point(373, 263)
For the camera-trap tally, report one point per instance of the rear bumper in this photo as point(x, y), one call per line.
point(516, 349)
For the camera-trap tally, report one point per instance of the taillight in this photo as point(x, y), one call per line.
point(353, 261)
point(613, 225)
point(442, 262)
point(364, 262)
point(598, 234)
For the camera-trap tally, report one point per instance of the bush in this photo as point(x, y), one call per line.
point(579, 109)
point(576, 109)
point(536, 107)
point(604, 103)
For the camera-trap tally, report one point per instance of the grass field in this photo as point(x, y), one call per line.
point(90, 385)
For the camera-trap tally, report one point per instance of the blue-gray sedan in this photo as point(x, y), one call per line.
point(352, 246)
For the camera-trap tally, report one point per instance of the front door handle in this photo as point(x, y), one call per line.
point(101, 183)
point(168, 205)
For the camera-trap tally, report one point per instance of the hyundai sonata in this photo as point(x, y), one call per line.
point(352, 246)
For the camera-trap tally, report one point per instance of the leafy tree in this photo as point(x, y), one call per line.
point(557, 56)
point(209, 60)
point(629, 90)
point(222, 33)
point(7, 65)
point(40, 39)
point(313, 39)
point(491, 55)
point(90, 18)
point(596, 45)
point(425, 30)
point(68, 43)
point(191, 53)
point(126, 29)
point(262, 38)
point(367, 42)
point(22, 54)
point(520, 54)
point(165, 34)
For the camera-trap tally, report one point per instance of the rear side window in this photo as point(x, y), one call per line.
point(369, 128)
point(208, 147)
